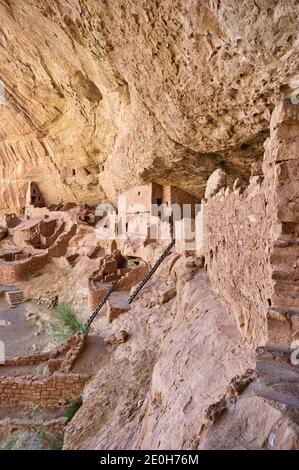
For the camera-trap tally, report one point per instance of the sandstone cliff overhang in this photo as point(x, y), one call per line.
point(102, 96)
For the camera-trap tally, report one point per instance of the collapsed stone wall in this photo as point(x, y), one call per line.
point(60, 358)
point(251, 234)
point(132, 277)
point(113, 267)
point(35, 259)
point(59, 247)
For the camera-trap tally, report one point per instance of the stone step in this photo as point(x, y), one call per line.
point(285, 261)
point(285, 275)
point(280, 333)
point(287, 287)
point(286, 243)
point(14, 298)
point(278, 382)
point(284, 311)
point(286, 299)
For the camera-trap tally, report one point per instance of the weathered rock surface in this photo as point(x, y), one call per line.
point(216, 181)
point(151, 90)
point(185, 380)
point(252, 423)
point(154, 390)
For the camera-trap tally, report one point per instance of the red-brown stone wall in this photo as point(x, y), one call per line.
point(50, 391)
point(15, 271)
point(236, 244)
point(251, 238)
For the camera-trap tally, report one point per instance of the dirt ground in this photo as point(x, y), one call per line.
point(21, 333)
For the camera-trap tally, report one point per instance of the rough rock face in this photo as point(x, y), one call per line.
point(157, 90)
point(253, 423)
point(154, 390)
point(184, 379)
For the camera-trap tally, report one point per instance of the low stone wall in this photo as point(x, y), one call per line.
point(55, 389)
point(49, 392)
point(251, 234)
point(62, 357)
point(15, 271)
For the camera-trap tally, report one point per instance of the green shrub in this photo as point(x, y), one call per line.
point(10, 441)
point(65, 324)
point(68, 317)
point(72, 410)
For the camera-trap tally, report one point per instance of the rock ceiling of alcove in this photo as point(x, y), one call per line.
point(161, 90)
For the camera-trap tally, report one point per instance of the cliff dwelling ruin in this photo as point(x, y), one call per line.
point(149, 225)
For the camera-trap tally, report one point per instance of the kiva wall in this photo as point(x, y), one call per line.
point(15, 271)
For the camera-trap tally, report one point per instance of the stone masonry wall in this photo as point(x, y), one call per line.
point(51, 391)
point(236, 245)
point(15, 271)
point(251, 235)
point(282, 159)
point(62, 357)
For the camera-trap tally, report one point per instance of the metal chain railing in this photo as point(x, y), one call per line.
point(151, 272)
point(98, 308)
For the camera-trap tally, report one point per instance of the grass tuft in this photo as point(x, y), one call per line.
point(68, 317)
point(10, 442)
point(66, 323)
point(72, 410)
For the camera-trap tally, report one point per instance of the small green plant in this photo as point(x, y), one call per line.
point(40, 428)
point(10, 441)
point(66, 323)
point(72, 410)
point(68, 317)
